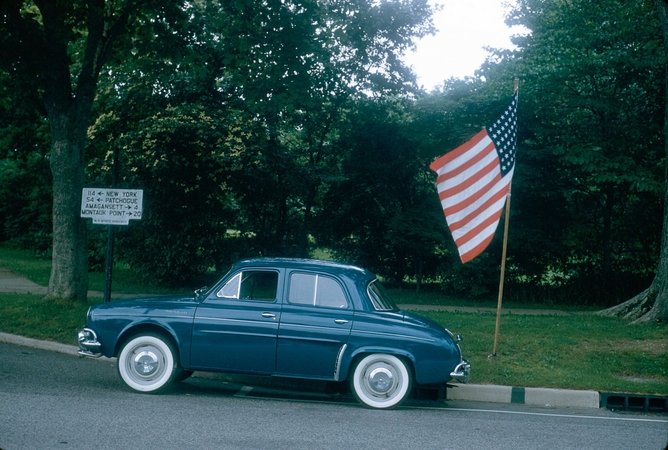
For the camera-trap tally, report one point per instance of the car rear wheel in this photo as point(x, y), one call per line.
point(381, 381)
point(147, 363)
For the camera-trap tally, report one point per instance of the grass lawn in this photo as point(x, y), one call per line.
point(574, 352)
point(582, 351)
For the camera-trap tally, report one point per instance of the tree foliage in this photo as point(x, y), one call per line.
point(282, 68)
point(652, 303)
point(587, 193)
point(381, 211)
point(61, 47)
point(613, 141)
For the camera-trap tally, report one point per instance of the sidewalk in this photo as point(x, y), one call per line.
point(475, 309)
point(11, 282)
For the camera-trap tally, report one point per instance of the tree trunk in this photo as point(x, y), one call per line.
point(303, 244)
point(69, 113)
point(608, 200)
point(418, 273)
point(67, 122)
point(69, 266)
point(652, 304)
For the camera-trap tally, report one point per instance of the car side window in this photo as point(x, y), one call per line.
point(251, 285)
point(316, 290)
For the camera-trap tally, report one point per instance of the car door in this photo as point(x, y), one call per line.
point(316, 320)
point(235, 328)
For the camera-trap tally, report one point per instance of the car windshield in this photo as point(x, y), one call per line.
point(379, 298)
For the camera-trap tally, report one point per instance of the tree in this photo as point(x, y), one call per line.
point(181, 157)
point(64, 45)
point(586, 190)
point(298, 65)
point(587, 187)
point(286, 72)
point(652, 304)
point(177, 131)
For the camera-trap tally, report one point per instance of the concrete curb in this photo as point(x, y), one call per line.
point(469, 392)
point(560, 398)
point(36, 343)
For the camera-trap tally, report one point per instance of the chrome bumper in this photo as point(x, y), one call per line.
point(462, 372)
point(88, 344)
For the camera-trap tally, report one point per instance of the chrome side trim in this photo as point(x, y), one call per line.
point(225, 319)
point(337, 365)
point(392, 335)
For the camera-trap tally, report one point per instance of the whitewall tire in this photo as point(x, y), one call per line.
point(147, 363)
point(381, 381)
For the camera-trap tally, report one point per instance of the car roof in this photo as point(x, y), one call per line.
point(308, 264)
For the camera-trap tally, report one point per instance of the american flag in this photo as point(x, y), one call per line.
point(474, 180)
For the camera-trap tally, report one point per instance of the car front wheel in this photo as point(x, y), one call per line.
point(381, 381)
point(147, 363)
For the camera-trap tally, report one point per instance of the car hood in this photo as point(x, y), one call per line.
point(151, 302)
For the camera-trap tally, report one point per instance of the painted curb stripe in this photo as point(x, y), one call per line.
point(517, 395)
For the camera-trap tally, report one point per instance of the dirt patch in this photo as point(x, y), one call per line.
point(656, 347)
point(651, 346)
point(638, 379)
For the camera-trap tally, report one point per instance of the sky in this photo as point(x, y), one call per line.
point(456, 50)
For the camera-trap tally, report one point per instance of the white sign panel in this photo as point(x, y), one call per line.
point(111, 206)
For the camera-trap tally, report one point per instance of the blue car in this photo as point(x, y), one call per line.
point(283, 317)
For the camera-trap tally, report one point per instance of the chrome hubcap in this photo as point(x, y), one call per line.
point(146, 363)
point(381, 380)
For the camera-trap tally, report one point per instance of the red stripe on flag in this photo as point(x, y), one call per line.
point(459, 151)
point(478, 228)
point(470, 216)
point(458, 189)
point(468, 201)
point(475, 251)
point(468, 164)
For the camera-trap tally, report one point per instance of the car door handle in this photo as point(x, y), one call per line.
point(269, 315)
point(340, 321)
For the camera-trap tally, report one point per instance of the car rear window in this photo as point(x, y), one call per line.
point(379, 298)
point(316, 290)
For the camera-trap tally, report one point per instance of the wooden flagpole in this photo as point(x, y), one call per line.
point(503, 259)
point(503, 272)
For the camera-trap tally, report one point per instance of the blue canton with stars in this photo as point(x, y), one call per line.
point(503, 133)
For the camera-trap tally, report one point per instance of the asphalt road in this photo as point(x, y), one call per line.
point(52, 400)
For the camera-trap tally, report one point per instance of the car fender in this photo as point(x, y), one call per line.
point(352, 355)
point(147, 326)
point(115, 322)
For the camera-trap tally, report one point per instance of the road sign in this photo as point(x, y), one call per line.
point(111, 206)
